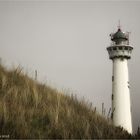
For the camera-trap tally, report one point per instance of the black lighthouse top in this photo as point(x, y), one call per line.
point(119, 37)
point(120, 47)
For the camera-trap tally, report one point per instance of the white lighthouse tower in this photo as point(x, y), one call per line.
point(119, 52)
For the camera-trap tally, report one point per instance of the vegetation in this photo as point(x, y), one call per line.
point(29, 109)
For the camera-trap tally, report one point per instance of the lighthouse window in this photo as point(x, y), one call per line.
point(126, 48)
point(120, 48)
point(112, 78)
point(112, 96)
point(109, 49)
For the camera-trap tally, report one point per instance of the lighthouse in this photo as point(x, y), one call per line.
point(120, 52)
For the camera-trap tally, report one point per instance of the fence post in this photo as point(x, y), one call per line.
point(102, 108)
point(35, 74)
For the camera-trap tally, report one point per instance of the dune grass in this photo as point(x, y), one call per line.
point(29, 109)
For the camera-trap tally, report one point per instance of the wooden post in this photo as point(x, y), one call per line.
point(35, 74)
point(109, 113)
point(102, 108)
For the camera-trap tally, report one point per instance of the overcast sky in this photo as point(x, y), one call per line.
point(65, 41)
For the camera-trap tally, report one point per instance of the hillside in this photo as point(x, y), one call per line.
point(29, 109)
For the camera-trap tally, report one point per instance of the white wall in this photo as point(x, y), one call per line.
point(121, 95)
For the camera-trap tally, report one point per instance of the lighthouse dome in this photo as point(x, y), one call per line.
point(119, 35)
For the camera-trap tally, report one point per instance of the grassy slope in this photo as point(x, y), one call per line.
point(32, 110)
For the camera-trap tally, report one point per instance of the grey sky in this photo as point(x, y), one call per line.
point(65, 41)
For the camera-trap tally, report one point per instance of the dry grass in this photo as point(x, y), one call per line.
point(32, 110)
